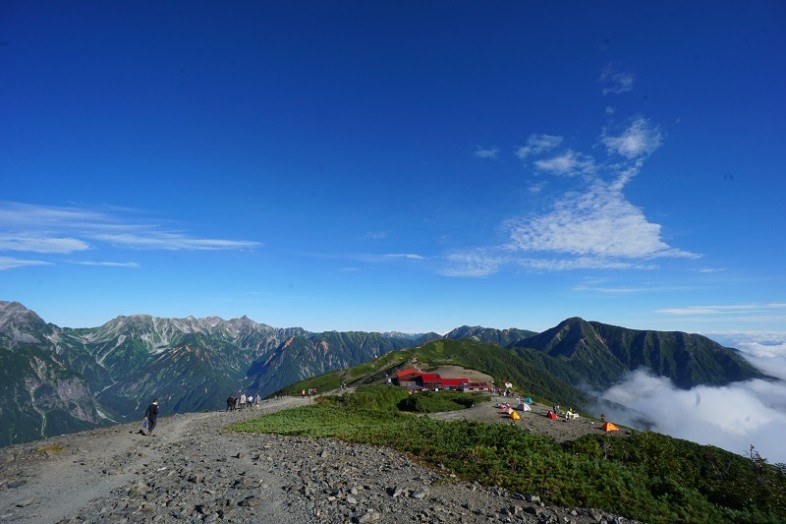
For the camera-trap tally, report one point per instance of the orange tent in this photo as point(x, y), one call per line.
point(552, 415)
point(608, 426)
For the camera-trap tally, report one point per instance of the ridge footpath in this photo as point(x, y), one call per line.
point(194, 471)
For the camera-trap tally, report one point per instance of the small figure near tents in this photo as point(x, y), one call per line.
point(609, 426)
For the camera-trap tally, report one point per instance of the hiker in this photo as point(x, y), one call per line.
point(249, 400)
point(230, 403)
point(151, 414)
point(242, 400)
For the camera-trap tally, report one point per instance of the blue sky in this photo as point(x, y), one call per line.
point(410, 166)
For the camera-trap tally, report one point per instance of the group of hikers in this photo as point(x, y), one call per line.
point(235, 403)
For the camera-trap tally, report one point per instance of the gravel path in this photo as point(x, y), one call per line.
point(192, 471)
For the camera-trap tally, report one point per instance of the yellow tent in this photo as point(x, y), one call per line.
point(608, 426)
point(515, 416)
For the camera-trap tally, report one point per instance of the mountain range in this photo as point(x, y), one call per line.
point(55, 380)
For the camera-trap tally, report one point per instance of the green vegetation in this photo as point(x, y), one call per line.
point(649, 477)
point(435, 402)
point(577, 351)
point(501, 364)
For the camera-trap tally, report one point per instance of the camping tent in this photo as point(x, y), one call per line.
point(523, 407)
point(608, 426)
point(514, 415)
point(552, 416)
point(528, 400)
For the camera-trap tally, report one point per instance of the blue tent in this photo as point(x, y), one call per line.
point(528, 400)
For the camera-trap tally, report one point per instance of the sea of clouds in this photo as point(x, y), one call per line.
point(733, 417)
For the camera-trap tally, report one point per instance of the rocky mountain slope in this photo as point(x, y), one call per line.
point(61, 379)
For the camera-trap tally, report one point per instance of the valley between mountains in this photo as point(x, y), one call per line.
point(56, 380)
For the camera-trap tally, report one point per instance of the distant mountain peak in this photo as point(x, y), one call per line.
point(20, 324)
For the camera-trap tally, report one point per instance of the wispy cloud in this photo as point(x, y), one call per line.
point(473, 264)
point(109, 264)
point(407, 256)
point(640, 139)
point(573, 263)
point(591, 227)
point(723, 309)
point(12, 263)
point(370, 258)
point(615, 81)
point(375, 235)
point(41, 244)
point(170, 241)
point(486, 152)
point(599, 222)
point(64, 230)
point(569, 163)
point(537, 144)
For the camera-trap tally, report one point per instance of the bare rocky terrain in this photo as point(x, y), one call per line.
point(194, 471)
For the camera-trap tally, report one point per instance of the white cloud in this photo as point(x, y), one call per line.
point(489, 153)
point(472, 264)
point(376, 235)
point(12, 263)
point(615, 81)
point(572, 263)
point(536, 144)
point(732, 417)
point(639, 139)
point(764, 349)
point(407, 256)
point(568, 163)
point(15, 215)
point(170, 241)
point(109, 264)
point(722, 309)
point(70, 229)
point(41, 244)
point(597, 223)
point(370, 258)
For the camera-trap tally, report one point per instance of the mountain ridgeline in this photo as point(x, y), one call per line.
point(55, 380)
point(599, 355)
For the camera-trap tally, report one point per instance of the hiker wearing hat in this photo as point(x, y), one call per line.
point(151, 414)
